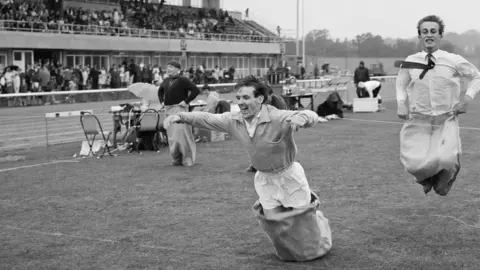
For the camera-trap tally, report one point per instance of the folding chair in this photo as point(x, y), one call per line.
point(148, 121)
point(91, 127)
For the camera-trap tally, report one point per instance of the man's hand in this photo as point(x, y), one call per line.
point(462, 106)
point(183, 104)
point(172, 119)
point(296, 121)
point(402, 110)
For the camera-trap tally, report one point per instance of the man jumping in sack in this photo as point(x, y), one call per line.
point(428, 98)
point(287, 210)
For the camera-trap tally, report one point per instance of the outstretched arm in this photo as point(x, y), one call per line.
point(304, 118)
point(216, 122)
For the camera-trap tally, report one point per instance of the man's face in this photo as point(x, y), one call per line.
point(430, 36)
point(249, 104)
point(171, 70)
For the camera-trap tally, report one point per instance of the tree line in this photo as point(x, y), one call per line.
point(320, 43)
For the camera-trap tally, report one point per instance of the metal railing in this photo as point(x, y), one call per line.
point(305, 83)
point(29, 127)
point(97, 30)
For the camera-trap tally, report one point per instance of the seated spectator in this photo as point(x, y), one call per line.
point(332, 108)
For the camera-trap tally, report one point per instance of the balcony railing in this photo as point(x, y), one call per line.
point(96, 30)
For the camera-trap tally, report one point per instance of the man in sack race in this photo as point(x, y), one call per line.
point(176, 92)
point(428, 98)
point(287, 210)
point(272, 99)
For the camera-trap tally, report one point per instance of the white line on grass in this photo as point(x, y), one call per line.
point(96, 239)
point(114, 242)
point(40, 164)
point(74, 160)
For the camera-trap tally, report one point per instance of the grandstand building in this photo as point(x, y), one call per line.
point(106, 32)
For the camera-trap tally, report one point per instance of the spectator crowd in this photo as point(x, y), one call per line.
point(47, 76)
point(127, 18)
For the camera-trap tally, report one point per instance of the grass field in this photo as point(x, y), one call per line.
point(139, 212)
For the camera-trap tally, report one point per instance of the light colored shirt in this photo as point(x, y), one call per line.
point(272, 147)
point(439, 91)
point(252, 126)
point(370, 86)
point(212, 101)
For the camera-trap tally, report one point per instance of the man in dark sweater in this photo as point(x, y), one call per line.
point(176, 92)
point(361, 74)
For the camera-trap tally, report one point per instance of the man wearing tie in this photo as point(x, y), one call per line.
point(428, 98)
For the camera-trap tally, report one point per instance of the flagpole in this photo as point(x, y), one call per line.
point(303, 35)
point(298, 31)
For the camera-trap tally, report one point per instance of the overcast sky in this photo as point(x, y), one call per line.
point(347, 18)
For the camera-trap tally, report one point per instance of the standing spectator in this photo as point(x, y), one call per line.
point(157, 76)
point(35, 79)
point(67, 77)
point(94, 76)
point(316, 72)
point(176, 92)
point(301, 70)
point(102, 78)
point(135, 72)
point(145, 73)
point(77, 77)
point(231, 72)
point(361, 74)
point(115, 78)
point(44, 76)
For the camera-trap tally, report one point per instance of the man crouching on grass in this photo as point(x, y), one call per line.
point(280, 182)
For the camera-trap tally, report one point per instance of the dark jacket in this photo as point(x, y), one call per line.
point(174, 90)
point(278, 102)
point(333, 105)
point(361, 75)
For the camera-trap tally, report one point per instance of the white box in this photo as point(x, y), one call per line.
point(365, 105)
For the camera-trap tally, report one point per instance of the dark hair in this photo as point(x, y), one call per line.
point(259, 89)
point(431, 18)
point(251, 79)
point(269, 89)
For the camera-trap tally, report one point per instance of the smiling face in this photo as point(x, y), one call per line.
point(249, 105)
point(430, 36)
